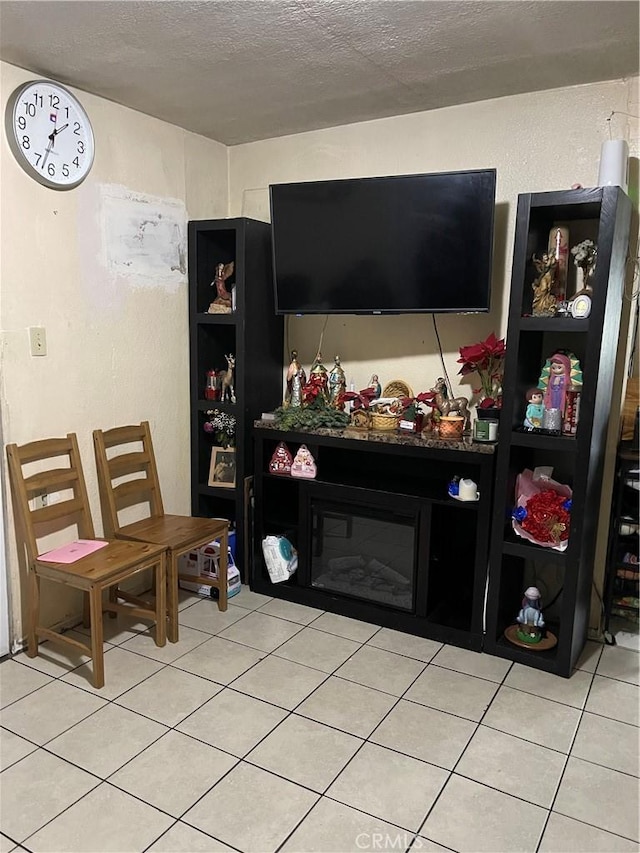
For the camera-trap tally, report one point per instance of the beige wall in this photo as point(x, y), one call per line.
point(537, 142)
point(117, 351)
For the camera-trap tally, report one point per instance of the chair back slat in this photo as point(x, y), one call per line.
point(62, 509)
point(48, 448)
point(30, 521)
point(49, 481)
point(114, 498)
point(123, 435)
point(128, 463)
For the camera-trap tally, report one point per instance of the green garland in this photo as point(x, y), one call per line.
point(308, 417)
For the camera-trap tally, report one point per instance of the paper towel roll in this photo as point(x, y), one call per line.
point(614, 164)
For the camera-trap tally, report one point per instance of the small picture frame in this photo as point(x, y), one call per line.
point(222, 469)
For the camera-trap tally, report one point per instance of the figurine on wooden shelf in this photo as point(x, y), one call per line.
point(222, 303)
point(374, 383)
point(296, 379)
point(337, 385)
point(228, 393)
point(530, 619)
point(447, 405)
point(544, 300)
point(584, 257)
point(318, 384)
point(560, 375)
point(535, 409)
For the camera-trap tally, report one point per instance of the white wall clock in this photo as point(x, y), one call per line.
point(50, 134)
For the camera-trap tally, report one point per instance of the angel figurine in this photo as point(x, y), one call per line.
point(222, 302)
point(544, 301)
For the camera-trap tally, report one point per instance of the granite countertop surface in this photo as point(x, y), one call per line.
point(389, 437)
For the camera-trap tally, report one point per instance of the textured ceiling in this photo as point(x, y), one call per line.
point(241, 70)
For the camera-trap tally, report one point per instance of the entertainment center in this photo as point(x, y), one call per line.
point(378, 536)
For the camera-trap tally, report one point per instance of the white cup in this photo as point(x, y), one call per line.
point(467, 490)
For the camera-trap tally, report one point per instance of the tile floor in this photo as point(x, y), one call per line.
point(279, 727)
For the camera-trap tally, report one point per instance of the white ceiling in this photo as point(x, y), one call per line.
point(242, 70)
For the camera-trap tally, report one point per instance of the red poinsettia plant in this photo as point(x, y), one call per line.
point(486, 359)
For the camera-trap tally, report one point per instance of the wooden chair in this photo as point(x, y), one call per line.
point(103, 569)
point(177, 533)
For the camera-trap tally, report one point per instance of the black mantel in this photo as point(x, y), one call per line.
point(385, 472)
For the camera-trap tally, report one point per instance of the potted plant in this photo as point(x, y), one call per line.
point(487, 360)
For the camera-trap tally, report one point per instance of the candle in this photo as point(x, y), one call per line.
point(467, 490)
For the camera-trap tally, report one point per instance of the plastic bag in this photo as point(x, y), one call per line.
point(280, 556)
point(542, 511)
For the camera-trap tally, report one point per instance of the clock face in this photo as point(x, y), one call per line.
point(50, 134)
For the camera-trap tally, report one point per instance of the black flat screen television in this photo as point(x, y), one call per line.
point(392, 245)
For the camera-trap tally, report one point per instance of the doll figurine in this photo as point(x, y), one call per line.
point(535, 408)
point(530, 619)
point(555, 395)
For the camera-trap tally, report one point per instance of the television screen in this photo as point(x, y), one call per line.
point(393, 245)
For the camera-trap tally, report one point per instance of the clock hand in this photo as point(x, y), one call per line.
point(48, 151)
point(58, 130)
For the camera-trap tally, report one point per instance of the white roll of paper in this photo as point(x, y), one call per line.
point(614, 164)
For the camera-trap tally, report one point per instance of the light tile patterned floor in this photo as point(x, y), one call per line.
point(279, 727)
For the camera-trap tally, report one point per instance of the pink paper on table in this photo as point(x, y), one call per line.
point(73, 551)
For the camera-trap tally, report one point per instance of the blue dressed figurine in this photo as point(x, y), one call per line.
point(530, 619)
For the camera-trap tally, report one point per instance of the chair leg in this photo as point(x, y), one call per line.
point(97, 653)
point(86, 611)
point(223, 564)
point(172, 597)
point(34, 614)
point(113, 599)
point(160, 579)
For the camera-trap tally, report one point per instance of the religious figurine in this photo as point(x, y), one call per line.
point(544, 300)
point(319, 378)
point(530, 619)
point(296, 379)
point(375, 384)
point(535, 408)
point(222, 303)
point(337, 384)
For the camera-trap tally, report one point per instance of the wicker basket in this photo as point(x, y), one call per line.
point(397, 388)
point(384, 422)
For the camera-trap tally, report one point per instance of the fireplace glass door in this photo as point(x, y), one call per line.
point(364, 552)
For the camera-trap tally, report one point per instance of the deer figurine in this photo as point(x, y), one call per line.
point(450, 405)
point(228, 390)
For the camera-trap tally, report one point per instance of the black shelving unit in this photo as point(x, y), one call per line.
point(254, 334)
point(405, 481)
point(603, 215)
point(622, 588)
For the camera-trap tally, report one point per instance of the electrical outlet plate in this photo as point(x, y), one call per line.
point(37, 340)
